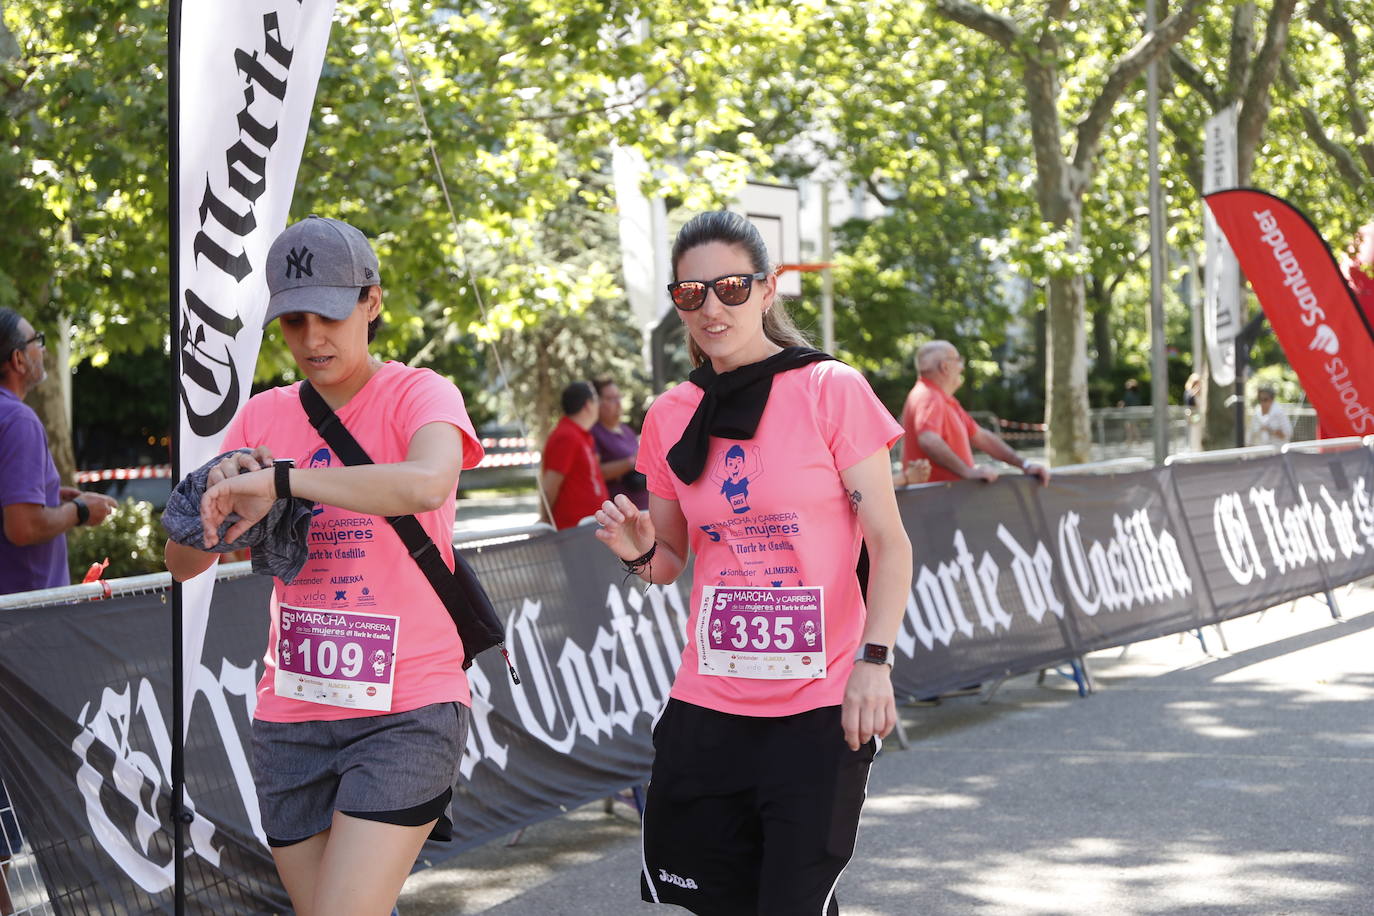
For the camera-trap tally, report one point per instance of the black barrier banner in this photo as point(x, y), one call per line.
point(1014, 576)
point(85, 702)
point(983, 594)
point(1266, 537)
point(1335, 496)
point(1008, 578)
point(596, 657)
point(1127, 564)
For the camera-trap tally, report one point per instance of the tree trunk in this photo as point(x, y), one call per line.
point(1102, 329)
point(52, 402)
point(1066, 378)
point(546, 409)
point(1218, 419)
point(1066, 374)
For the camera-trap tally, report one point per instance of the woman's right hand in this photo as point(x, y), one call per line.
point(627, 530)
point(239, 463)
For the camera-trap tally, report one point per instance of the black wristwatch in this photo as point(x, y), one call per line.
point(83, 511)
point(281, 474)
point(874, 654)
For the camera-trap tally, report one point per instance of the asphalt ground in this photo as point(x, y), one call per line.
point(1235, 782)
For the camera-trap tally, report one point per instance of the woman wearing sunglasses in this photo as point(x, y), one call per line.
point(783, 692)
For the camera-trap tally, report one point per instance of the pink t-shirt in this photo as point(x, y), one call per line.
point(780, 517)
point(357, 562)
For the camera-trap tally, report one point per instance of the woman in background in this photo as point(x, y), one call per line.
point(617, 446)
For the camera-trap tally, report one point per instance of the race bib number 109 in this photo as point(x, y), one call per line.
point(336, 658)
point(770, 633)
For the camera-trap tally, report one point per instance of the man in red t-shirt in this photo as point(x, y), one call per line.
point(1359, 271)
point(571, 476)
point(938, 428)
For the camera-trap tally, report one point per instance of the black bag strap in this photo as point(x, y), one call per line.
point(458, 589)
point(419, 545)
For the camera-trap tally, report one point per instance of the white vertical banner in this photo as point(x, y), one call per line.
point(643, 242)
point(248, 73)
point(1221, 299)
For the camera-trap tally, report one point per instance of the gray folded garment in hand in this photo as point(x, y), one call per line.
point(278, 540)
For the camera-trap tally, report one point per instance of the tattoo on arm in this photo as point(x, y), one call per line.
point(855, 497)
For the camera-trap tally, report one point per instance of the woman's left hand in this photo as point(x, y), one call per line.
point(250, 495)
point(869, 708)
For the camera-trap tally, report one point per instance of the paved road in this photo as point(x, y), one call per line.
point(1236, 783)
point(484, 512)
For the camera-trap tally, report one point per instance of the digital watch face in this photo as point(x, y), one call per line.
point(875, 654)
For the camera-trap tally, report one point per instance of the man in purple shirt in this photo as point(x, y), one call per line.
point(38, 510)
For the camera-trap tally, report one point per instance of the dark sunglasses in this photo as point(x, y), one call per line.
point(731, 289)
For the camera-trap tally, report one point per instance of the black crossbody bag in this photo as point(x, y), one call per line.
point(460, 590)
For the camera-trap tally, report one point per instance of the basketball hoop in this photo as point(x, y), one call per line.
point(775, 210)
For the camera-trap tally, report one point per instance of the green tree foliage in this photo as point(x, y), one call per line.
point(82, 164)
point(131, 539)
point(922, 122)
point(1076, 63)
point(85, 154)
point(524, 102)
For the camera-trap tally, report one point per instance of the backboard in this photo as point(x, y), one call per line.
point(776, 211)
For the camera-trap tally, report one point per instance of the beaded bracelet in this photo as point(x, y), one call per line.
point(638, 563)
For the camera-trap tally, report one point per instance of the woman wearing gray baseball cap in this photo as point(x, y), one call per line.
point(363, 709)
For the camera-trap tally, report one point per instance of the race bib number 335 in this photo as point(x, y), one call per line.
point(770, 633)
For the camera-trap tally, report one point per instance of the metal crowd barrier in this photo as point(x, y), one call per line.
point(1245, 453)
point(110, 588)
point(20, 881)
point(1110, 466)
point(1325, 445)
point(152, 582)
point(500, 535)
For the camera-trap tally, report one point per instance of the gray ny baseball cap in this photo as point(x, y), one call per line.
point(319, 265)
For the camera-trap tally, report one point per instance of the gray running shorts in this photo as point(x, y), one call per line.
point(398, 768)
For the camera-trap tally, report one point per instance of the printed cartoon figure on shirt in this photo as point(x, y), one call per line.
point(734, 478)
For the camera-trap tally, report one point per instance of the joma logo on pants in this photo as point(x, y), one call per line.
point(666, 878)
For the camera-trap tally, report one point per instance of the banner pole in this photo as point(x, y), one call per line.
point(174, 324)
point(1159, 366)
point(1242, 357)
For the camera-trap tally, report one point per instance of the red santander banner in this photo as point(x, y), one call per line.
point(1325, 336)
